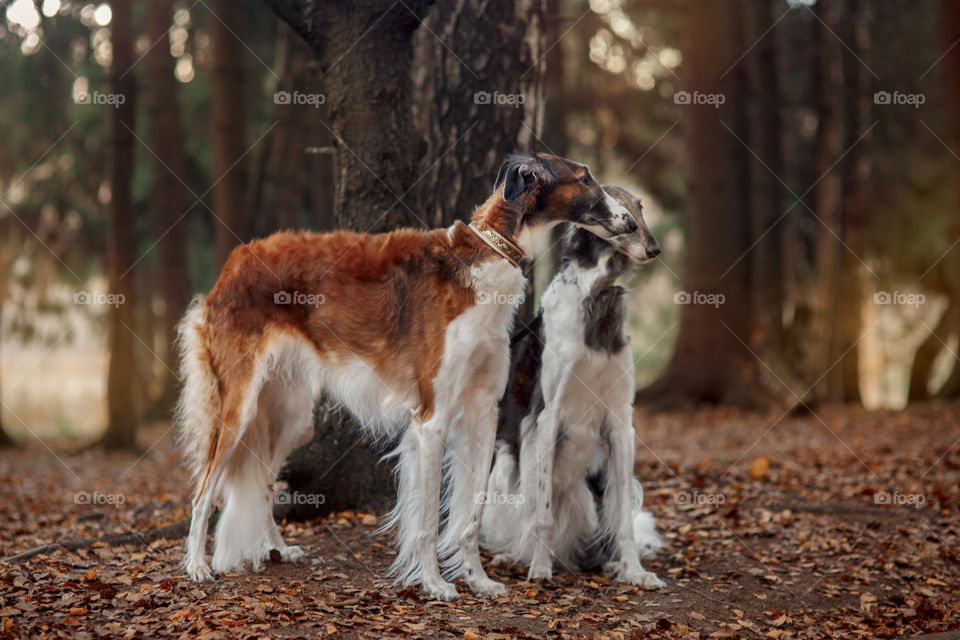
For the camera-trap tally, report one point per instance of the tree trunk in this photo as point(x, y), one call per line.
point(457, 108)
point(169, 197)
point(710, 362)
point(828, 205)
point(766, 193)
point(848, 313)
point(397, 135)
point(227, 102)
point(950, 12)
point(366, 53)
point(123, 384)
point(282, 187)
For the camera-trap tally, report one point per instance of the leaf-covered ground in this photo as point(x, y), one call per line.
point(843, 524)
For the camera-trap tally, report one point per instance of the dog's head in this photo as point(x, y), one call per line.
point(639, 245)
point(551, 189)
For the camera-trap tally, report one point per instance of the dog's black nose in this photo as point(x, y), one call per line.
point(653, 250)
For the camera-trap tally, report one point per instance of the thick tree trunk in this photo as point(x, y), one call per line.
point(711, 362)
point(766, 192)
point(396, 136)
point(457, 104)
point(456, 108)
point(123, 385)
point(169, 201)
point(366, 54)
point(829, 205)
point(227, 102)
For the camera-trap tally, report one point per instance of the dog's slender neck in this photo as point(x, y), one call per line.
point(591, 262)
point(509, 220)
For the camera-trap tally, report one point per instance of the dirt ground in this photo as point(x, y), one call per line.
point(839, 524)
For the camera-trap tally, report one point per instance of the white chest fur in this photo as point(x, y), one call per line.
point(476, 348)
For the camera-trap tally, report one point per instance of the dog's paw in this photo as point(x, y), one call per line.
point(642, 578)
point(291, 553)
point(484, 587)
point(502, 560)
point(540, 572)
point(199, 572)
point(441, 590)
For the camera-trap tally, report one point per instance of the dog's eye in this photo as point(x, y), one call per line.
point(586, 178)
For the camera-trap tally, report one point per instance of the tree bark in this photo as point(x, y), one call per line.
point(366, 54)
point(228, 102)
point(710, 362)
point(950, 13)
point(857, 169)
point(467, 136)
point(169, 200)
point(766, 193)
point(123, 384)
point(828, 205)
point(406, 153)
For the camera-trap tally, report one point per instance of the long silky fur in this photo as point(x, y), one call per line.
point(198, 408)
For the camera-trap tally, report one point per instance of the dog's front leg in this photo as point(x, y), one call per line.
point(548, 425)
point(619, 499)
point(433, 435)
point(485, 436)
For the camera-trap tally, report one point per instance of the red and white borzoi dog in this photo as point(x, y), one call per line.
point(408, 329)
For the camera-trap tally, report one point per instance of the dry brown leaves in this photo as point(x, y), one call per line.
point(836, 525)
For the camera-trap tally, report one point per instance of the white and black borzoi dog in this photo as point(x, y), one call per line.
point(408, 330)
point(562, 485)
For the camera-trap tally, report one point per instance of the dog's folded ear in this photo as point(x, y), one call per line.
point(516, 174)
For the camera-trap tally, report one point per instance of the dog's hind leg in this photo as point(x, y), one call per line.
point(289, 407)
point(195, 561)
point(618, 501)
